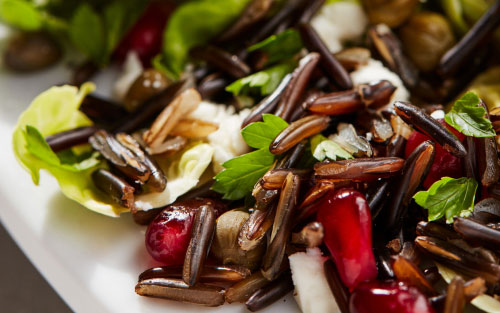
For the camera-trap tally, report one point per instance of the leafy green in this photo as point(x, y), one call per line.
point(36, 145)
point(263, 82)
point(241, 173)
point(323, 147)
point(86, 30)
point(53, 111)
point(448, 197)
point(22, 14)
point(195, 23)
point(97, 35)
point(260, 134)
point(281, 46)
point(467, 116)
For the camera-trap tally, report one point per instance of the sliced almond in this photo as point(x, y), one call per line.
point(182, 105)
point(193, 128)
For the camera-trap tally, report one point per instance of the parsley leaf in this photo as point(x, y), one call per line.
point(263, 82)
point(281, 46)
point(323, 147)
point(241, 174)
point(22, 14)
point(467, 117)
point(260, 134)
point(448, 197)
point(36, 145)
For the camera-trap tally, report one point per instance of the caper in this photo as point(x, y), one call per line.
point(150, 83)
point(393, 13)
point(426, 37)
point(225, 245)
point(31, 51)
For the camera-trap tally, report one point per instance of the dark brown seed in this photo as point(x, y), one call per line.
point(433, 229)
point(390, 48)
point(414, 171)
point(241, 291)
point(472, 288)
point(253, 13)
point(330, 65)
point(477, 234)
point(297, 86)
point(377, 196)
point(145, 217)
point(178, 290)
point(487, 161)
point(310, 236)
point(169, 146)
point(222, 60)
point(297, 131)
point(199, 246)
point(84, 72)
point(102, 111)
point(361, 169)
point(485, 218)
point(151, 108)
point(31, 51)
point(337, 103)
point(470, 161)
point(431, 127)
point(432, 275)
point(274, 179)
point(268, 104)
point(209, 273)
point(294, 156)
point(469, 44)
point(338, 289)
point(278, 19)
point(309, 206)
point(213, 85)
point(409, 252)
point(384, 265)
point(310, 11)
point(253, 232)
point(70, 138)
point(282, 227)
point(264, 198)
point(377, 94)
point(396, 146)
point(120, 157)
point(408, 272)
point(455, 298)
point(157, 180)
point(458, 259)
point(270, 293)
point(115, 187)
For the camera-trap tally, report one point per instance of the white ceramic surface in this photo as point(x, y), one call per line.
point(91, 260)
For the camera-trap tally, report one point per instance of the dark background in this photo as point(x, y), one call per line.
point(22, 288)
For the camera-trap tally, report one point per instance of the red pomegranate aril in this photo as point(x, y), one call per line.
point(445, 164)
point(388, 297)
point(346, 219)
point(168, 235)
point(145, 36)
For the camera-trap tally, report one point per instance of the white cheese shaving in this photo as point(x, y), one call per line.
point(312, 291)
point(339, 22)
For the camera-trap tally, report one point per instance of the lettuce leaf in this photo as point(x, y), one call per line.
point(53, 111)
point(183, 173)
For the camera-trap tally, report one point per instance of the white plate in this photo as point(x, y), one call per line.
point(91, 260)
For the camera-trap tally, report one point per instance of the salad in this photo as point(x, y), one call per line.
point(346, 150)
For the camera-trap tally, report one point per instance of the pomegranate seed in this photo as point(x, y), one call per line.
point(388, 297)
point(445, 164)
point(168, 235)
point(347, 223)
point(145, 36)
